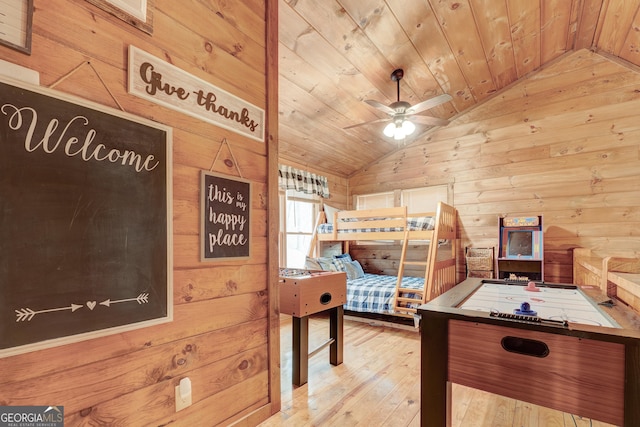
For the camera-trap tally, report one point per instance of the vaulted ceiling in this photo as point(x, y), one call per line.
point(335, 54)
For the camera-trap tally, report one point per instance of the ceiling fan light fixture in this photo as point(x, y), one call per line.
point(399, 129)
point(398, 112)
point(398, 132)
point(408, 127)
point(389, 130)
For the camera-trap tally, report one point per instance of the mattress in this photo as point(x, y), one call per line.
point(375, 293)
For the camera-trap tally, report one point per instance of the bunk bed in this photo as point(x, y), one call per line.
point(395, 295)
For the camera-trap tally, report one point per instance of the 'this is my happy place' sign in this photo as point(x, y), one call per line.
point(225, 217)
point(165, 84)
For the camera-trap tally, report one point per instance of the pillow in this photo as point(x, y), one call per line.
point(322, 263)
point(340, 260)
point(338, 265)
point(327, 264)
point(329, 211)
point(354, 270)
point(312, 264)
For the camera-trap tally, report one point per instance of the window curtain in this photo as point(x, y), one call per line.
point(295, 179)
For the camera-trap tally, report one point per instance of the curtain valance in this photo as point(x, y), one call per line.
point(291, 178)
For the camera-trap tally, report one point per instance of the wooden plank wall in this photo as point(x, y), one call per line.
point(219, 335)
point(385, 258)
point(562, 143)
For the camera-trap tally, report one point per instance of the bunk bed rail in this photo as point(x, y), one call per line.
point(349, 225)
point(379, 224)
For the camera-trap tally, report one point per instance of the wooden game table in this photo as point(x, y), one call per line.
point(584, 369)
point(307, 292)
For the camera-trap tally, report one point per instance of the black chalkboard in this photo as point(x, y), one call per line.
point(225, 220)
point(84, 219)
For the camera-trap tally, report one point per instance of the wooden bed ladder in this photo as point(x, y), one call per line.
point(439, 276)
point(401, 302)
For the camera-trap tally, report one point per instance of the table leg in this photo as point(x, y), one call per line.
point(300, 350)
point(336, 331)
point(632, 385)
point(435, 392)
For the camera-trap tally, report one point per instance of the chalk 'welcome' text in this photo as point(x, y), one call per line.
point(72, 144)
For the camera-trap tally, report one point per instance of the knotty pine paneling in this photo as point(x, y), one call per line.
point(127, 373)
point(48, 363)
point(385, 258)
point(495, 34)
point(217, 282)
point(420, 23)
point(562, 143)
point(467, 50)
point(219, 336)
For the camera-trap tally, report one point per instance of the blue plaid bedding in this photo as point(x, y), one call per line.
point(413, 224)
point(375, 293)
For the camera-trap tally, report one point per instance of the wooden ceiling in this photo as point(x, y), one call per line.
point(334, 54)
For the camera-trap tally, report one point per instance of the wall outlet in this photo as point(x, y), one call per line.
point(183, 394)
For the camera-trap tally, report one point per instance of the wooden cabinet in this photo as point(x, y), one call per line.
point(521, 249)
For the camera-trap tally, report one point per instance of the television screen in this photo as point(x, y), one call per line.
point(520, 243)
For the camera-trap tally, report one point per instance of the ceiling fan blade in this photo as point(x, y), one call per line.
point(380, 106)
point(428, 120)
point(367, 123)
point(429, 103)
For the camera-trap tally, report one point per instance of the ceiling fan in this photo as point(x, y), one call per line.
point(402, 114)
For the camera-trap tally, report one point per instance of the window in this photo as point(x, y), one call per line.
point(423, 199)
point(375, 201)
point(298, 215)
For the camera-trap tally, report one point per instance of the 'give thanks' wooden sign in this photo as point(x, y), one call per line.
point(165, 84)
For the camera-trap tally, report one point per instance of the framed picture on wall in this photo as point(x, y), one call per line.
point(225, 221)
point(98, 260)
point(138, 13)
point(16, 24)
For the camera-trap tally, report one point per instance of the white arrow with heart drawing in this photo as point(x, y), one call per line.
point(26, 314)
point(143, 298)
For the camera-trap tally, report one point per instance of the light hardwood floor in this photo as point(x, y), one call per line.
point(379, 385)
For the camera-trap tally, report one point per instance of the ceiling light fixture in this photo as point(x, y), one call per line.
point(399, 129)
point(402, 115)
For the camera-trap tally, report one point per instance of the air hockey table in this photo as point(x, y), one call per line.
point(560, 346)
